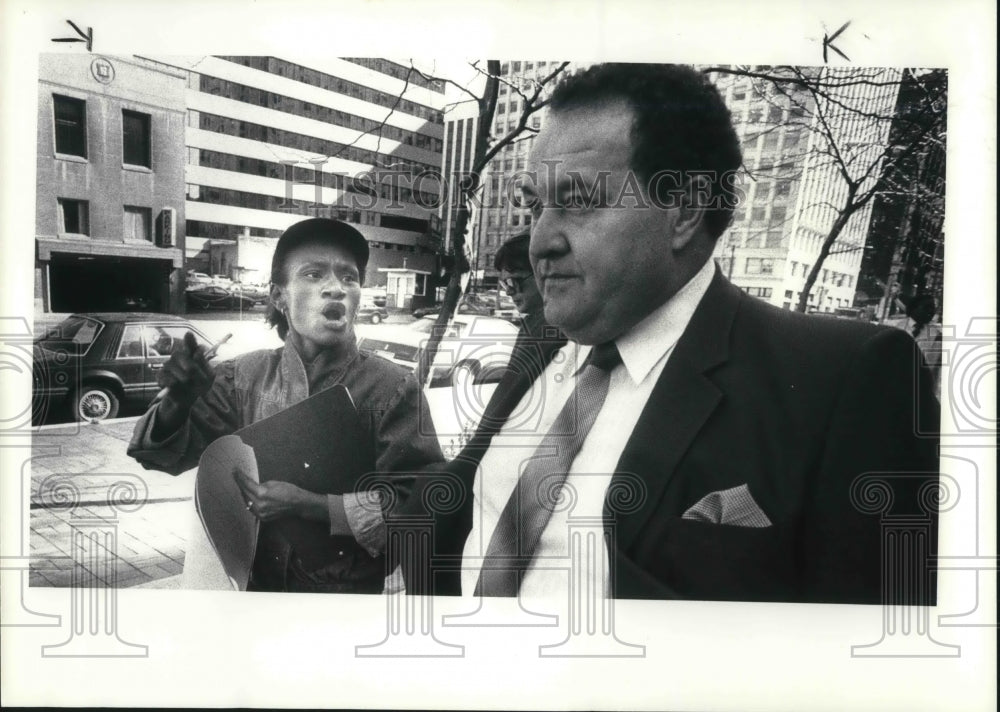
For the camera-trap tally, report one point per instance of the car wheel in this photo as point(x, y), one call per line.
point(92, 403)
point(376, 318)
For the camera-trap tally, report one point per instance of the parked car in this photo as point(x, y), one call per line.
point(373, 315)
point(374, 295)
point(471, 346)
point(197, 279)
point(89, 365)
point(259, 293)
point(465, 307)
point(215, 297)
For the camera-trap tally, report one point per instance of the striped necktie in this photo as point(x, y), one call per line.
point(526, 513)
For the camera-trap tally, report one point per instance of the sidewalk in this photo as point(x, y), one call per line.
point(145, 538)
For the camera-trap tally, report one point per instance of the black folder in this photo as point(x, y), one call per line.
point(320, 445)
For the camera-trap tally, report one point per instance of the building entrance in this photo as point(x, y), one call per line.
point(99, 283)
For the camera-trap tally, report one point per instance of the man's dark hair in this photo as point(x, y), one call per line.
point(681, 125)
point(513, 254)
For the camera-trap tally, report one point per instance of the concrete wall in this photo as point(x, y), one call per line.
point(101, 178)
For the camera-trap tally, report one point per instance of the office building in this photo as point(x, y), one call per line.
point(271, 141)
point(501, 216)
point(110, 204)
point(792, 188)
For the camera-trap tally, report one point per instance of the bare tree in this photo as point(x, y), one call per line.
point(854, 138)
point(485, 147)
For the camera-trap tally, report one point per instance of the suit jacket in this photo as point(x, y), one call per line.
point(830, 424)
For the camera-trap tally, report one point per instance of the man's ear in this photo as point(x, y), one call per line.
point(691, 213)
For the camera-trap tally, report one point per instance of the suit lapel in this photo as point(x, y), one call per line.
point(529, 358)
point(682, 400)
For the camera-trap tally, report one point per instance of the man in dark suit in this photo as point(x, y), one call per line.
point(732, 450)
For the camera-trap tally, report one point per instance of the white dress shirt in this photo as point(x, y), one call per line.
point(644, 351)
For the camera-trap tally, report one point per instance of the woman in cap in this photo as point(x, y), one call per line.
point(316, 277)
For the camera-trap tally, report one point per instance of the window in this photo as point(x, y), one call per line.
point(771, 140)
point(74, 216)
point(71, 125)
point(135, 139)
point(782, 188)
point(516, 67)
point(137, 224)
point(739, 94)
point(759, 265)
point(131, 345)
point(795, 267)
point(420, 288)
point(777, 217)
point(162, 340)
point(757, 216)
point(774, 238)
point(774, 114)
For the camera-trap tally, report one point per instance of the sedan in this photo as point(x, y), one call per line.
point(90, 365)
point(214, 297)
point(372, 314)
point(476, 347)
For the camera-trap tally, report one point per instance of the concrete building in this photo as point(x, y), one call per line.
point(461, 123)
point(109, 218)
point(792, 185)
point(501, 217)
point(271, 141)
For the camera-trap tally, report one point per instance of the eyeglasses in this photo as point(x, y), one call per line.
point(515, 283)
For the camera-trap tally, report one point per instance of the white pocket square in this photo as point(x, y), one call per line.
point(733, 506)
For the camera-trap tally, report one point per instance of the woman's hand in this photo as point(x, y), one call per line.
point(276, 499)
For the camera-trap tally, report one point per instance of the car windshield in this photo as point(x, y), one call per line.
point(76, 333)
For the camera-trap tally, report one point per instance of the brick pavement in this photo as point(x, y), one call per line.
point(74, 471)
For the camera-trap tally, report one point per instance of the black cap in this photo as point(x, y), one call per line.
point(320, 230)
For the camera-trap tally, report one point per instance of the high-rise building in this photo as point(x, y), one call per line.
point(793, 188)
point(110, 184)
point(502, 216)
point(272, 140)
point(904, 255)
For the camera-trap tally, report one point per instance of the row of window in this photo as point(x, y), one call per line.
point(831, 302)
point(502, 128)
point(508, 68)
point(313, 144)
point(296, 72)
point(298, 107)
point(837, 279)
point(758, 216)
point(257, 201)
point(499, 219)
point(388, 190)
point(392, 69)
point(223, 231)
point(70, 116)
point(74, 219)
point(770, 239)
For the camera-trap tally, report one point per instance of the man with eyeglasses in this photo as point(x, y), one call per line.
point(518, 280)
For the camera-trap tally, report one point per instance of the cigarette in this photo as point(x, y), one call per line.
point(208, 354)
